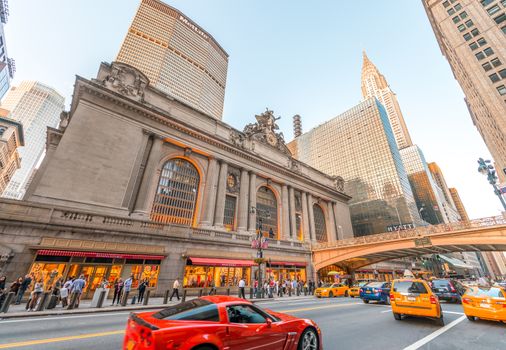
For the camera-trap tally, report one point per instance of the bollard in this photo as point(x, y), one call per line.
point(228, 291)
point(73, 301)
point(146, 297)
point(7, 302)
point(289, 292)
point(200, 293)
point(251, 293)
point(124, 301)
point(101, 299)
point(42, 302)
point(166, 296)
point(53, 300)
point(134, 300)
point(183, 298)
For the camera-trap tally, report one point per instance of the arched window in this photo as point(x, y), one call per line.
point(319, 224)
point(267, 211)
point(177, 192)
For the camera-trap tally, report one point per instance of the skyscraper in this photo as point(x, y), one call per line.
point(11, 137)
point(459, 204)
point(7, 66)
point(36, 106)
point(375, 85)
point(359, 145)
point(178, 57)
point(471, 35)
point(449, 209)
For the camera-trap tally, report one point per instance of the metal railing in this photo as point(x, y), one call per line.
point(415, 233)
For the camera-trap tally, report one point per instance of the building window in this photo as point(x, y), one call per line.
point(461, 28)
point(451, 11)
point(481, 41)
point(475, 32)
point(493, 9)
point(2, 130)
point(463, 15)
point(494, 78)
point(504, 29)
point(488, 51)
point(446, 3)
point(229, 216)
point(467, 36)
point(480, 55)
point(456, 19)
point(319, 223)
point(501, 18)
point(503, 2)
point(486, 2)
point(473, 45)
point(502, 73)
point(458, 7)
point(176, 196)
point(469, 24)
point(496, 62)
point(267, 211)
point(502, 90)
point(487, 66)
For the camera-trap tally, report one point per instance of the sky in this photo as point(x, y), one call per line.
point(294, 57)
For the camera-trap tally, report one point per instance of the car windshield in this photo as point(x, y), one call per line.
point(410, 287)
point(194, 310)
point(374, 284)
point(440, 283)
point(486, 292)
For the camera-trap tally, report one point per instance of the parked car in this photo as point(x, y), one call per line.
point(354, 290)
point(414, 297)
point(448, 290)
point(485, 303)
point(219, 322)
point(376, 291)
point(332, 290)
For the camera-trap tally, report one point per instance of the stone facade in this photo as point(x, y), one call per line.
point(106, 168)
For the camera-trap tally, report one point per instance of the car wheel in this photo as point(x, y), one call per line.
point(204, 347)
point(331, 295)
point(308, 340)
point(471, 318)
point(397, 316)
point(440, 321)
point(346, 294)
point(365, 301)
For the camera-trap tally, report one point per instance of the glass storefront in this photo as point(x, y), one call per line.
point(198, 276)
point(286, 272)
point(332, 274)
point(49, 268)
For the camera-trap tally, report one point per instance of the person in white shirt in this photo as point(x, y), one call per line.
point(242, 285)
point(175, 290)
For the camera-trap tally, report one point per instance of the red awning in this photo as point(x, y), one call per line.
point(98, 254)
point(221, 262)
point(288, 263)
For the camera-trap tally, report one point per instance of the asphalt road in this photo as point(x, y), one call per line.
point(345, 323)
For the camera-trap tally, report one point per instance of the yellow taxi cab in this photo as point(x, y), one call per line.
point(354, 290)
point(332, 290)
point(487, 303)
point(414, 297)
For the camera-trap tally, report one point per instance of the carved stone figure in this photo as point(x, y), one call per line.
point(127, 81)
point(237, 138)
point(339, 183)
point(64, 120)
point(264, 130)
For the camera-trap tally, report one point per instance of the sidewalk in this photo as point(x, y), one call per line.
point(18, 311)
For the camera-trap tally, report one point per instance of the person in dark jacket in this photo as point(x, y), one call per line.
point(14, 288)
point(142, 289)
point(23, 287)
point(3, 292)
point(118, 289)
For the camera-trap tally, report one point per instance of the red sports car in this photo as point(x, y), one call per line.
point(220, 323)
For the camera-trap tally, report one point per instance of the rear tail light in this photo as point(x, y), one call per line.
point(466, 301)
point(433, 299)
point(501, 303)
point(392, 298)
point(361, 290)
point(146, 337)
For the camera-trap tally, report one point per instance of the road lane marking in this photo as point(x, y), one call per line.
point(435, 334)
point(60, 339)
point(453, 312)
point(384, 311)
point(317, 307)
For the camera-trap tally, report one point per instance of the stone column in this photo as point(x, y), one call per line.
point(339, 228)
point(210, 192)
point(305, 218)
point(285, 227)
point(252, 220)
point(312, 229)
point(242, 222)
point(220, 195)
point(331, 231)
point(292, 220)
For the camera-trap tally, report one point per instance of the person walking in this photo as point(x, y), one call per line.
point(118, 289)
point(22, 288)
point(175, 290)
point(127, 286)
point(142, 289)
point(77, 289)
point(242, 286)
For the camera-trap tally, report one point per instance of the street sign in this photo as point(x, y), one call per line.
point(422, 242)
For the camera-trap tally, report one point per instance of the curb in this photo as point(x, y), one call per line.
point(61, 312)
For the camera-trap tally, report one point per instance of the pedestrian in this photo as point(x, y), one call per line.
point(35, 295)
point(242, 285)
point(127, 286)
point(255, 287)
point(22, 289)
point(142, 289)
point(118, 289)
point(14, 288)
point(77, 289)
point(213, 287)
point(175, 290)
point(3, 292)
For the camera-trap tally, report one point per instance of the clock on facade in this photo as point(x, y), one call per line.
point(231, 181)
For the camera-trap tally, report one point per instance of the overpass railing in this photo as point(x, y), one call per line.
point(415, 232)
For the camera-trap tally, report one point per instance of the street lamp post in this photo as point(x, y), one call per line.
point(259, 246)
point(487, 169)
